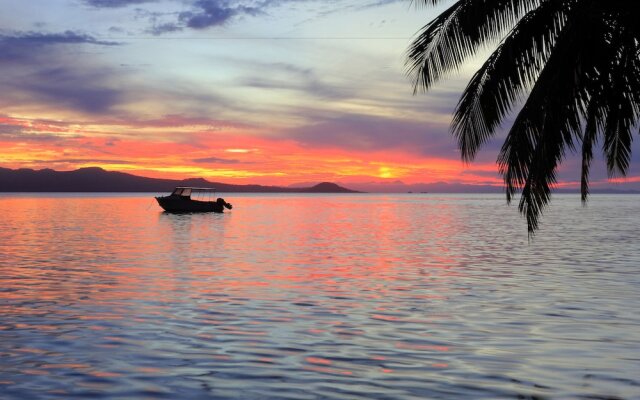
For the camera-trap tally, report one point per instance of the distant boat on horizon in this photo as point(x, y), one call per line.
point(180, 201)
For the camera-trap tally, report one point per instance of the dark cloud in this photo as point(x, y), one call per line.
point(160, 22)
point(208, 13)
point(22, 45)
point(216, 160)
point(115, 3)
point(85, 91)
point(52, 68)
point(44, 39)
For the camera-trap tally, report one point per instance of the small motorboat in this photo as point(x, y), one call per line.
point(180, 200)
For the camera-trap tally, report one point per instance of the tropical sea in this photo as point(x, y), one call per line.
point(358, 296)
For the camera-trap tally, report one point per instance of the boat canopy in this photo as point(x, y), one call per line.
point(186, 191)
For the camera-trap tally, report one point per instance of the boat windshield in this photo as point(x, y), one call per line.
point(186, 192)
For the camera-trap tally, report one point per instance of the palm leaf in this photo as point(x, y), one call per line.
point(549, 122)
point(457, 34)
point(508, 73)
point(623, 113)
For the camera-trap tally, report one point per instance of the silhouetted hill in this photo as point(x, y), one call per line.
point(98, 180)
point(327, 187)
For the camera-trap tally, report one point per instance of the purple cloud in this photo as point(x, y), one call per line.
point(21, 45)
point(208, 13)
point(115, 3)
point(47, 67)
point(86, 91)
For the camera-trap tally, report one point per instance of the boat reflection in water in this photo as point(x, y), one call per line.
point(180, 200)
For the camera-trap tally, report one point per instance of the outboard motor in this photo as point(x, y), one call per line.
point(221, 201)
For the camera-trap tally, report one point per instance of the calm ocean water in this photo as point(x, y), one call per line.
point(318, 297)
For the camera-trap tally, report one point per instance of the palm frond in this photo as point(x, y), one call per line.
point(504, 78)
point(549, 123)
point(605, 89)
point(457, 34)
point(623, 111)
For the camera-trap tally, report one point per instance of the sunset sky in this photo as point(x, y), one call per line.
point(257, 91)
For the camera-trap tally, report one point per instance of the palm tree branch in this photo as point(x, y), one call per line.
point(457, 34)
point(549, 123)
point(508, 73)
point(623, 102)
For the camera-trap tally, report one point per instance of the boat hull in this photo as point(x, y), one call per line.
point(178, 204)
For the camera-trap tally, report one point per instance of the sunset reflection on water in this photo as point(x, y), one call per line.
point(308, 296)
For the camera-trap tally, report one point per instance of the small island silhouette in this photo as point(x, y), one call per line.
point(95, 179)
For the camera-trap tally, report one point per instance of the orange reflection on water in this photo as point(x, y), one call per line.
point(318, 360)
point(274, 271)
point(103, 250)
point(330, 371)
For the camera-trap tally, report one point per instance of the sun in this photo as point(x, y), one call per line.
point(385, 172)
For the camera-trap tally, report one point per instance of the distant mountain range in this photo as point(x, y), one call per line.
point(98, 180)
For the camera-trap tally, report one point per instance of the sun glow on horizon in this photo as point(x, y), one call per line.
point(279, 161)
